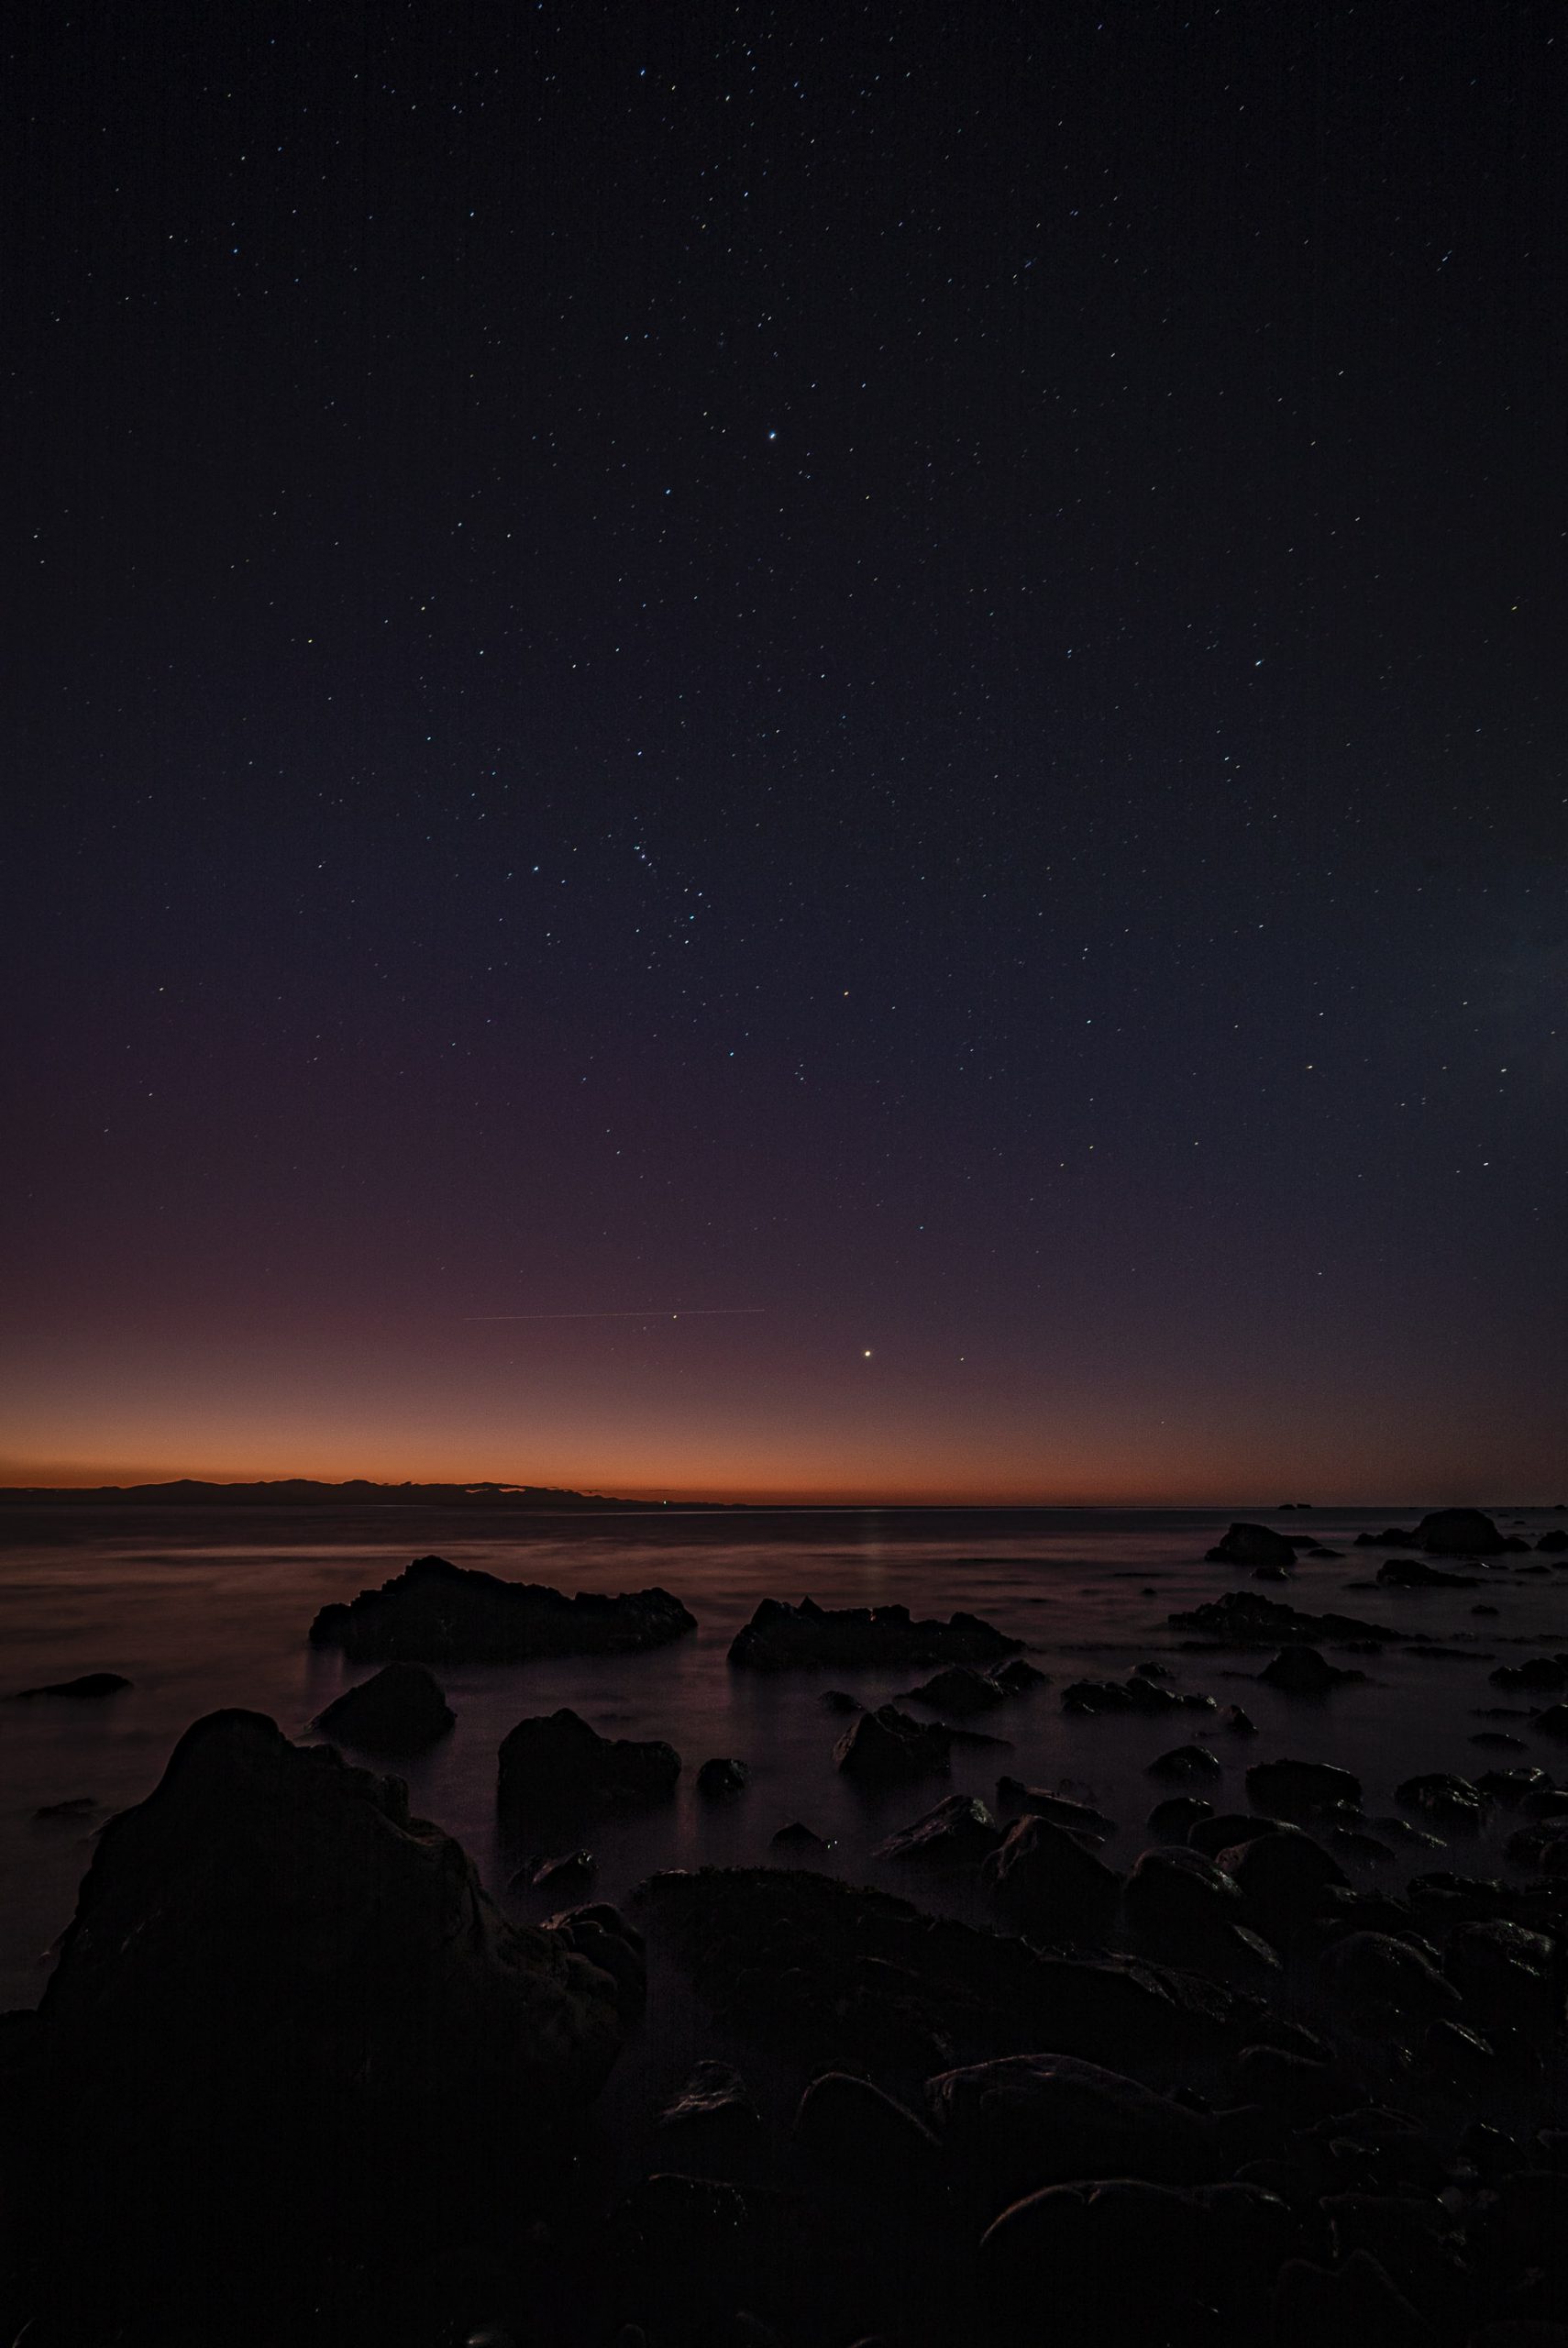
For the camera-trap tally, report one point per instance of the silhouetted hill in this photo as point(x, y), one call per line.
point(300, 1491)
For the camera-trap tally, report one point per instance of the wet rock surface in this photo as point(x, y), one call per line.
point(439, 1612)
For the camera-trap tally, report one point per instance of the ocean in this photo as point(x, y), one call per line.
point(204, 1607)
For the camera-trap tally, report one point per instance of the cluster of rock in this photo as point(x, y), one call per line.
point(781, 1637)
point(439, 1612)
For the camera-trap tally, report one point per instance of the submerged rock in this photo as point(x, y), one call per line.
point(401, 1709)
point(780, 1637)
point(722, 1776)
point(88, 1690)
point(1138, 1693)
point(886, 1747)
point(1183, 1763)
point(1414, 1573)
point(439, 1612)
point(1251, 1545)
point(1302, 1671)
point(1245, 1618)
point(1299, 1788)
point(960, 1689)
point(558, 1762)
point(1460, 1532)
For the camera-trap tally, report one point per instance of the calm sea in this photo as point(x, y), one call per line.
point(202, 1607)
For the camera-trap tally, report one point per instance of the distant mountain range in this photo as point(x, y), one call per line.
point(300, 1491)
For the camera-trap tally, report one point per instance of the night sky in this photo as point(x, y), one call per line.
point(887, 677)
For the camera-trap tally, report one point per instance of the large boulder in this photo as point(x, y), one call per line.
point(959, 1831)
point(1289, 1788)
point(557, 1763)
point(1034, 2119)
point(401, 1709)
point(1251, 1545)
point(1460, 1532)
point(1282, 1877)
point(439, 1612)
point(285, 2015)
point(780, 1637)
point(888, 1748)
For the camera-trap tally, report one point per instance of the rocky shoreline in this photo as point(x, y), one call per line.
point(295, 2077)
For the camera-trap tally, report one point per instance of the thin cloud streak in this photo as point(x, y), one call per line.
point(650, 1313)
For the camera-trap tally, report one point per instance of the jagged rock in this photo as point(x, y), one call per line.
point(278, 1990)
point(1299, 1788)
point(570, 1872)
point(1091, 1825)
point(838, 1699)
point(721, 1776)
point(1037, 2120)
point(1048, 1884)
point(1251, 1545)
point(1448, 1801)
point(797, 1836)
point(1245, 1618)
point(1513, 1786)
point(1137, 1693)
point(1183, 1763)
point(401, 1709)
point(1018, 1675)
point(961, 1689)
point(886, 1748)
point(1302, 1671)
point(1238, 1722)
point(713, 2104)
point(862, 1975)
point(1460, 1532)
point(959, 1831)
point(1414, 1573)
point(780, 1637)
point(557, 1763)
point(89, 1689)
point(439, 1612)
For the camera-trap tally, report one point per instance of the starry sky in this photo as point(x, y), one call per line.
point(787, 750)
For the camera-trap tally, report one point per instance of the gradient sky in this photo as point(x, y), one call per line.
point(890, 679)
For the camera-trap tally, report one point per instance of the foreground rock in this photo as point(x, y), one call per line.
point(861, 1977)
point(781, 1637)
point(278, 1990)
point(557, 1763)
point(1245, 1618)
point(437, 1612)
point(1049, 1884)
point(1036, 2120)
point(402, 1710)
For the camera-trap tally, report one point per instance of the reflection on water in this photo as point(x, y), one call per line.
point(202, 1607)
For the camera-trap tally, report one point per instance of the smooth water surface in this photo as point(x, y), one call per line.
point(205, 1607)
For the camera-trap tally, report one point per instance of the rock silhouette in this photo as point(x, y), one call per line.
point(402, 1710)
point(780, 1637)
point(439, 1612)
point(557, 1763)
point(1251, 1545)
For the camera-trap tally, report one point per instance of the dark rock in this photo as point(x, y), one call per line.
point(1183, 1763)
point(1459, 1533)
point(1316, 2307)
point(1552, 1723)
point(714, 2105)
point(78, 1806)
point(1174, 1818)
point(557, 1762)
point(1544, 1846)
point(1134, 1694)
point(1556, 1542)
point(439, 1612)
point(1505, 1973)
point(1048, 1884)
point(1302, 1671)
point(1414, 1573)
point(797, 1836)
point(1496, 1740)
point(780, 1637)
point(1300, 1789)
point(1180, 1906)
point(1251, 1545)
point(1282, 1877)
point(1545, 1674)
point(688, 2252)
point(1453, 1803)
point(1018, 1675)
point(1376, 1975)
point(1511, 1786)
point(721, 1776)
point(1076, 1816)
point(401, 1709)
point(958, 1832)
point(886, 1748)
point(1035, 2120)
point(838, 1700)
point(1245, 1618)
point(1393, 1536)
point(869, 2143)
point(567, 1873)
point(1356, 1844)
point(857, 1975)
point(88, 1690)
point(1227, 1831)
point(278, 1989)
point(960, 1689)
point(1238, 1722)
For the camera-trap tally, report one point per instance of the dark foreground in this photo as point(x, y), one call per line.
point(295, 2078)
